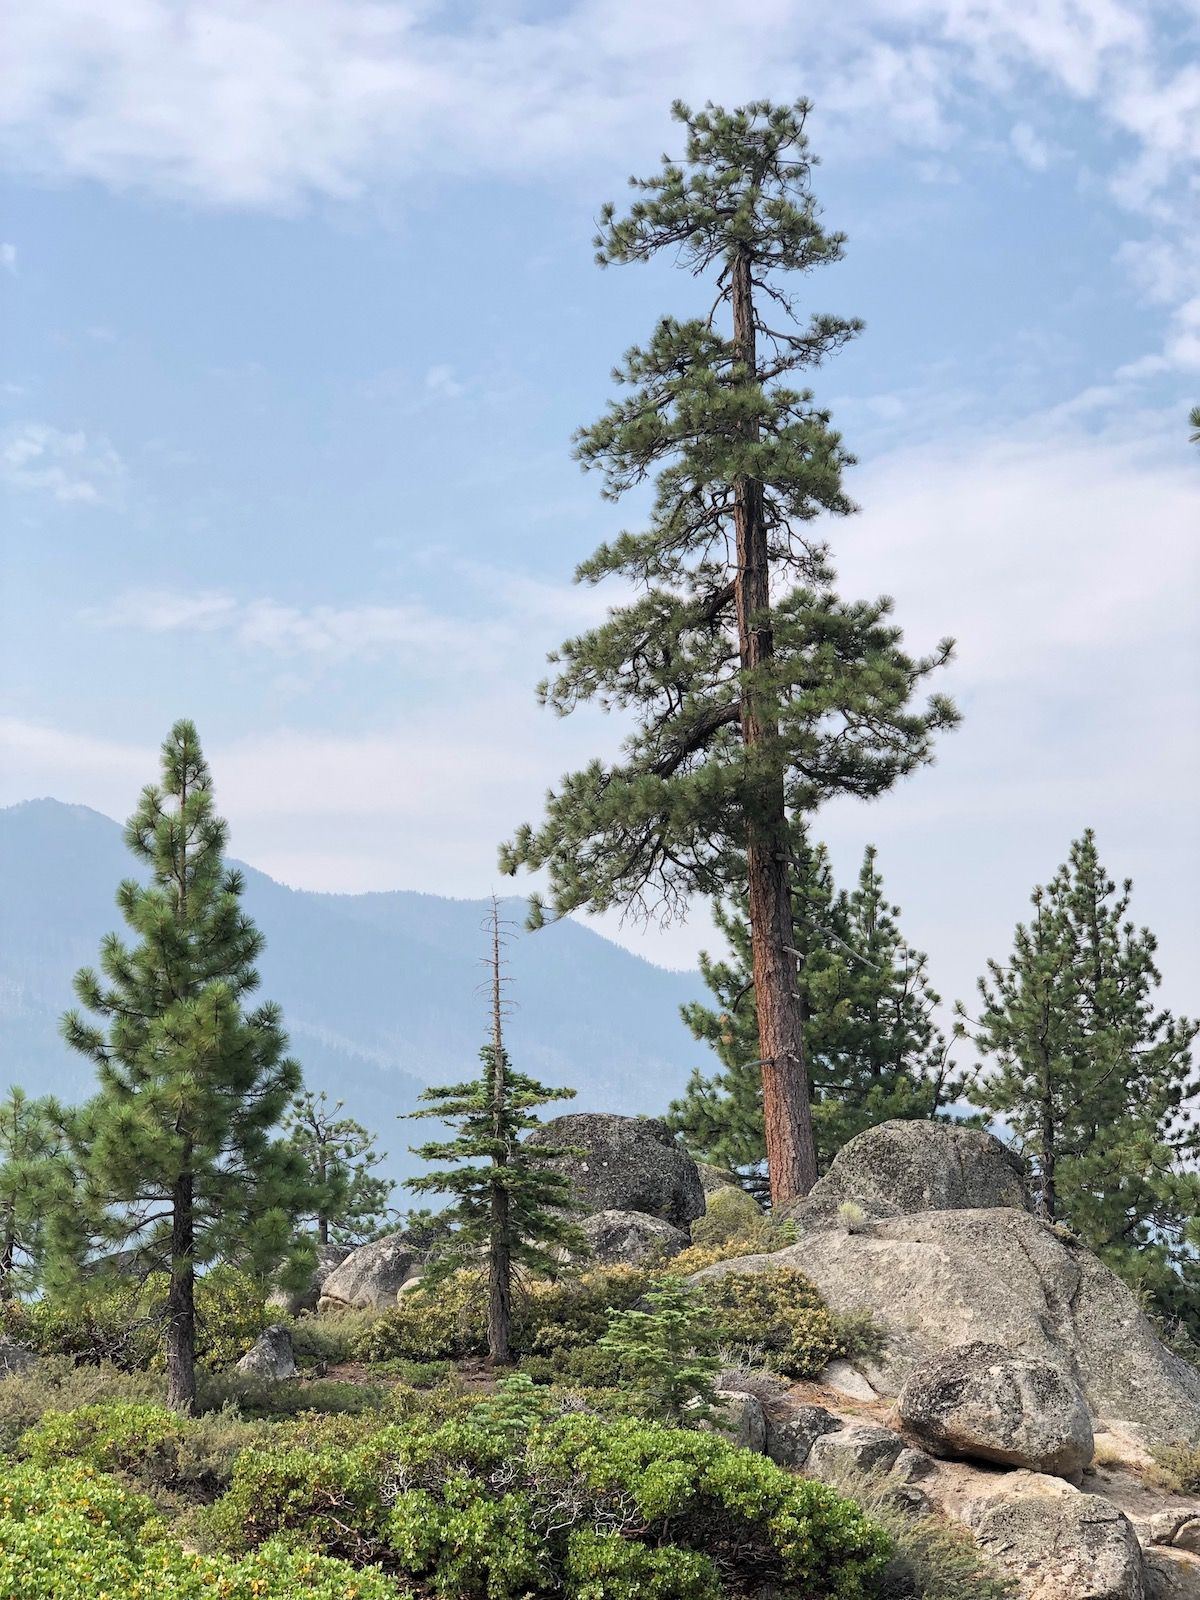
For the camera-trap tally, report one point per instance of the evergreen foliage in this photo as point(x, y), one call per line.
point(339, 1155)
point(176, 1165)
point(873, 1049)
point(1194, 423)
point(754, 691)
point(666, 1346)
point(1096, 1083)
point(33, 1171)
point(509, 1204)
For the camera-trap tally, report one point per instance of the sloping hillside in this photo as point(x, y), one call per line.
point(381, 992)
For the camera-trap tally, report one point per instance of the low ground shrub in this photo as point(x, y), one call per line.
point(448, 1323)
point(263, 1397)
point(1178, 1467)
point(779, 1312)
point(730, 1213)
point(70, 1533)
point(57, 1384)
point(330, 1337)
point(592, 1509)
point(121, 1321)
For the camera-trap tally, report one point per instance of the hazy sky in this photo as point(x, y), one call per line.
point(300, 314)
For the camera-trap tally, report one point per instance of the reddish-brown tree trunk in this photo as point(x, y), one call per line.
point(499, 1314)
point(787, 1114)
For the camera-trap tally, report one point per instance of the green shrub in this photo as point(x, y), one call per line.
point(778, 1311)
point(69, 1533)
point(448, 1323)
point(416, 1374)
point(481, 1513)
point(57, 1384)
point(1178, 1467)
point(331, 1336)
point(730, 1214)
point(263, 1397)
point(122, 1321)
point(590, 1365)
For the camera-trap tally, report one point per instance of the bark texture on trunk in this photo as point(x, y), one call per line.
point(181, 1302)
point(787, 1115)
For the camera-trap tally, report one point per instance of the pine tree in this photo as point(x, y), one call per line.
point(509, 1204)
point(339, 1156)
point(756, 693)
point(1194, 423)
point(874, 1050)
point(175, 1156)
point(1096, 1083)
point(33, 1172)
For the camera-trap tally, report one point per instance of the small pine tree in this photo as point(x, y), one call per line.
point(1194, 423)
point(509, 1204)
point(33, 1172)
point(668, 1351)
point(175, 1157)
point(756, 693)
point(339, 1156)
point(1096, 1083)
point(874, 1050)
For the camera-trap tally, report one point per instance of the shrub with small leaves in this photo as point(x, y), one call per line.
point(779, 1311)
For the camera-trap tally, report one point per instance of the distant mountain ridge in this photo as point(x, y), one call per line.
point(380, 992)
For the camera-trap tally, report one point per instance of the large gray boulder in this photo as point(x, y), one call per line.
point(943, 1278)
point(1057, 1543)
point(371, 1276)
point(980, 1402)
point(625, 1164)
point(329, 1257)
point(631, 1238)
point(858, 1447)
point(270, 1356)
point(899, 1168)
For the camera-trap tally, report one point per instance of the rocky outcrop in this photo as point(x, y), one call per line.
point(738, 1418)
point(1057, 1543)
point(900, 1168)
point(943, 1278)
point(858, 1447)
point(293, 1302)
point(625, 1164)
point(371, 1276)
point(270, 1356)
point(714, 1178)
point(792, 1434)
point(980, 1402)
point(631, 1237)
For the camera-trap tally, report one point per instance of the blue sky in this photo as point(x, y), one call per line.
point(299, 316)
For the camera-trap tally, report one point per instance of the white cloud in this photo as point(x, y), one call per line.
point(500, 613)
point(73, 468)
point(8, 258)
point(1033, 151)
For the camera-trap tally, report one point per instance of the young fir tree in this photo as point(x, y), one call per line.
point(33, 1174)
point(1096, 1083)
point(509, 1205)
point(176, 1161)
point(873, 1048)
point(339, 1156)
point(755, 692)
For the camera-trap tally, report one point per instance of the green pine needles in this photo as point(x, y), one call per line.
point(874, 1051)
point(754, 692)
point(511, 1208)
point(176, 1163)
point(1097, 1083)
point(34, 1175)
point(353, 1203)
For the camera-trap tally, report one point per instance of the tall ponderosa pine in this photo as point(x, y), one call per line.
point(509, 1205)
point(175, 1155)
point(1096, 1083)
point(756, 692)
point(873, 1048)
point(33, 1175)
point(353, 1202)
